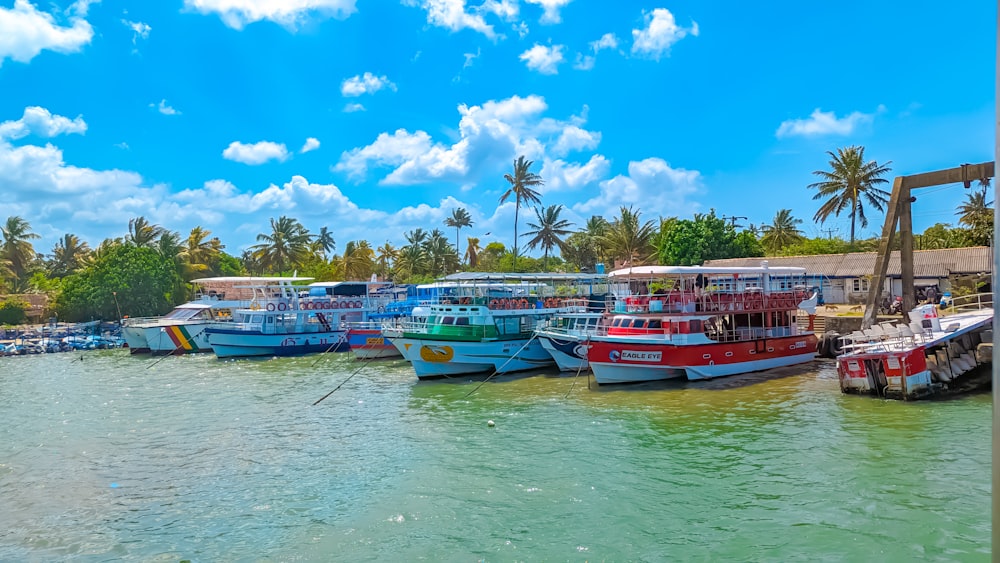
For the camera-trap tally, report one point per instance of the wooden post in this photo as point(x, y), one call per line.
point(884, 252)
point(906, 249)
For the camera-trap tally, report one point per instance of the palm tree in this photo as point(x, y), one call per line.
point(521, 183)
point(782, 232)
point(16, 250)
point(472, 251)
point(595, 230)
point(197, 253)
point(68, 256)
point(358, 260)
point(385, 257)
point(324, 241)
point(285, 247)
point(850, 184)
point(977, 215)
point(459, 218)
point(143, 233)
point(548, 232)
point(443, 258)
point(628, 239)
point(412, 259)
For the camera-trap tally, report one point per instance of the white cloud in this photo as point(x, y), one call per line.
point(257, 153)
point(164, 108)
point(652, 185)
point(39, 121)
point(543, 59)
point(505, 9)
point(311, 144)
point(25, 32)
point(365, 84)
point(551, 7)
point(470, 57)
point(562, 176)
point(139, 30)
point(660, 33)
point(491, 135)
point(289, 13)
point(351, 108)
point(825, 123)
point(607, 41)
point(584, 62)
point(451, 14)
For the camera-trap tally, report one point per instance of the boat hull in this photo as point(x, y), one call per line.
point(625, 361)
point(369, 344)
point(135, 338)
point(432, 359)
point(245, 343)
point(188, 338)
point(569, 353)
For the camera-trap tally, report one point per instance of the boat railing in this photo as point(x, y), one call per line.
point(752, 300)
point(455, 331)
point(971, 302)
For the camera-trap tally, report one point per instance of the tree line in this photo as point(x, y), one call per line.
point(147, 271)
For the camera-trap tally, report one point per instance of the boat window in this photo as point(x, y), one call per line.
point(694, 326)
point(462, 320)
point(182, 314)
point(616, 322)
point(256, 318)
point(447, 320)
point(638, 323)
point(655, 324)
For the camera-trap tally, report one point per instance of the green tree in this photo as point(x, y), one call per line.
point(849, 184)
point(143, 279)
point(143, 233)
point(385, 258)
point(548, 232)
point(977, 216)
point(442, 256)
point(521, 183)
point(459, 218)
point(17, 251)
point(782, 232)
point(628, 239)
point(686, 242)
point(358, 261)
point(285, 247)
point(13, 311)
point(68, 256)
point(324, 242)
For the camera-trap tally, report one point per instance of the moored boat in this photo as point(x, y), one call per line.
point(487, 323)
point(566, 335)
point(927, 356)
point(697, 322)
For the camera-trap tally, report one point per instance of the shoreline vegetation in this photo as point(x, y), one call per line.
point(146, 271)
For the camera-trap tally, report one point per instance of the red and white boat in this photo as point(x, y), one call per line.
point(700, 322)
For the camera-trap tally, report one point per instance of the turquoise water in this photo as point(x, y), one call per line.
point(104, 456)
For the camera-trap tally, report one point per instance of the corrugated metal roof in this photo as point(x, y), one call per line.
point(926, 263)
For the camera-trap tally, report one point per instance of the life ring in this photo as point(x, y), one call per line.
point(524, 303)
point(255, 306)
point(495, 304)
point(270, 306)
point(358, 304)
point(381, 309)
point(308, 305)
point(328, 305)
point(282, 306)
point(334, 305)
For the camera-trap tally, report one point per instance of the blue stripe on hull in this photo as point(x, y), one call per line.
point(282, 351)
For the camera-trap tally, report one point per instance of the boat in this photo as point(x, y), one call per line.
point(366, 339)
point(929, 355)
point(312, 322)
point(485, 322)
point(182, 330)
point(694, 322)
point(565, 336)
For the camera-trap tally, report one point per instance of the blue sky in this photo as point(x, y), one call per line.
point(376, 117)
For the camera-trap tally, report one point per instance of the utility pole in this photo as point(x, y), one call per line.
point(829, 233)
point(732, 220)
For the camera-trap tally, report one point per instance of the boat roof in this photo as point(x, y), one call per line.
point(336, 283)
point(194, 305)
point(529, 276)
point(703, 270)
point(249, 279)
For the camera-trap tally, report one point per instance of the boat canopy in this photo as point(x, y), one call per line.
point(249, 279)
point(509, 277)
point(674, 271)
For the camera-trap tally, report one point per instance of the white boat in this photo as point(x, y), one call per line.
point(313, 322)
point(698, 322)
point(566, 335)
point(487, 324)
point(182, 330)
point(928, 355)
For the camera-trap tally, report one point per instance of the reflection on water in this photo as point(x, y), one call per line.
point(124, 458)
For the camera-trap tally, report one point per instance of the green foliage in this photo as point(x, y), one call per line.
point(13, 311)
point(811, 246)
point(142, 278)
point(40, 283)
point(580, 251)
point(686, 242)
point(228, 265)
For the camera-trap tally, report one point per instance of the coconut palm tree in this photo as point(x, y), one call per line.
point(849, 184)
point(977, 215)
point(143, 233)
point(385, 257)
point(595, 229)
point(285, 247)
point(68, 256)
point(324, 242)
point(472, 250)
point(521, 183)
point(358, 260)
point(443, 258)
point(199, 251)
point(548, 232)
point(412, 259)
point(628, 239)
point(459, 218)
point(782, 232)
point(16, 249)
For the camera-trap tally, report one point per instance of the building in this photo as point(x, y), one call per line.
point(845, 277)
